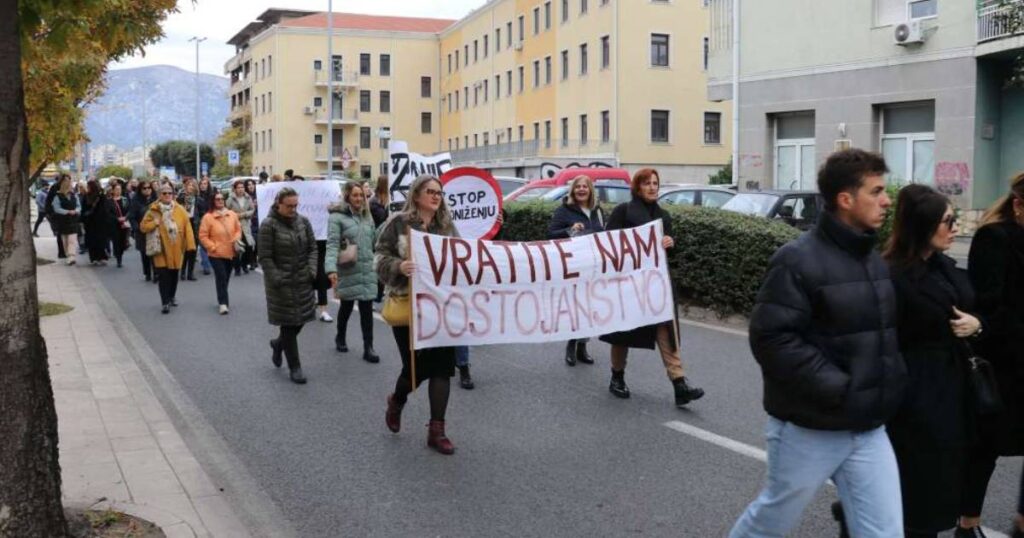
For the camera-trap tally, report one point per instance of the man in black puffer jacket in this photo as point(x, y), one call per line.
point(824, 333)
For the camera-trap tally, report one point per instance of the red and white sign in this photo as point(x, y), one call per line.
point(474, 199)
point(472, 292)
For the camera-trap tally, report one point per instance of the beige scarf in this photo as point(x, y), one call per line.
point(167, 213)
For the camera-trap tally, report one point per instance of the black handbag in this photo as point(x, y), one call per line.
point(982, 379)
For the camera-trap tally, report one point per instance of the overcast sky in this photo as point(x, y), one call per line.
point(219, 20)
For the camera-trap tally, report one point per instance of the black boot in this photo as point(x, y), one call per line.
point(340, 345)
point(370, 356)
point(685, 393)
point(465, 380)
point(581, 352)
point(570, 353)
point(275, 358)
point(618, 384)
point(238, 271)
point(296, 376)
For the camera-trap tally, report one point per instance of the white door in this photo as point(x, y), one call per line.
point(794, 165)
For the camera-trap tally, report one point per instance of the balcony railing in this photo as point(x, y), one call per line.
point(535, 148)
point(342, 116)
point(320, 151)
point(336, 77)
point(997, 19)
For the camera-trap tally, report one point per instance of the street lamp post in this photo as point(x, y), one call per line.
point(330, 89)
point(198, 40)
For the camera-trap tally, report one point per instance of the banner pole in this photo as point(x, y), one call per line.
point(412, 317)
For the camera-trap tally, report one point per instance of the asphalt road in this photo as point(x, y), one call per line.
point(542, 449)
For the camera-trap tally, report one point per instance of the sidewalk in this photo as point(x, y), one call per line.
point(118, 447)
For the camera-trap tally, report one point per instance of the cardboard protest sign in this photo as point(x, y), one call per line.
point(405, 165)
point(474, 199)
point(472, 292)
point(314, 199)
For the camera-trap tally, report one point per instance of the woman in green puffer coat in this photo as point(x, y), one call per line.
point(351, 225)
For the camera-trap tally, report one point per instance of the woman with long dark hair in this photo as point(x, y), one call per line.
point(288, 256)
point(219, 233)
point(117, 217)
point(145, 196)
point(931, 431)
point(996, 267)
point(644, 208)
point(203, 204)
point(425, 210)
point(254, 222)
point(243, 206)
point(95, 218)
point(189, 200)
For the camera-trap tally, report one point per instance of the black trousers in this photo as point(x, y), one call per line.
point(39, 220)
point(147, 265)
point(120, 241)
point(188, 265)
point(322, 284)
point(288, 339)
point(365, 321)
point(221, 275)
point(168, 284)
point(60, 247)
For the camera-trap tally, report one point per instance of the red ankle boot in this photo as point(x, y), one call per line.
point(437, 440)
point(393, 416)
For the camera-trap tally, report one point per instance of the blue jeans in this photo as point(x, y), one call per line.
point(800, 460)
point(461, 356)
point(204, 258)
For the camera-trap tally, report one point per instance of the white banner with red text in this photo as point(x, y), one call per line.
point(473, 292)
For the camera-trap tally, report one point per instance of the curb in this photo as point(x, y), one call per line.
point(171, 524)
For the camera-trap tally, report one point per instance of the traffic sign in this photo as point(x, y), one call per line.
point(234, 157)
point(205, 168)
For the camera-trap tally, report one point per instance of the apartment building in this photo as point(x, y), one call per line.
point(529, 83)
point(921, 81)
point(519, 87)
point(382, 79)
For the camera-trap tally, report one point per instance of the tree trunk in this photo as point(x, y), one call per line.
point(30, 500)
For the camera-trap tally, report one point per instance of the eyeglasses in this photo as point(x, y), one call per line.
point(290, 206)
point(168, 193)
point(950, 221)
point(432, 192)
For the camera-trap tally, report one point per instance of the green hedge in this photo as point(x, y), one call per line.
point(719, 259)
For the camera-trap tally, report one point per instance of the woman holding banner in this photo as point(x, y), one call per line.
point(579, 214)
point(350, 238)
point(425, 210)
point(644, 208)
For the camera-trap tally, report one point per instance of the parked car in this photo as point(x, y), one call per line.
point(509, 184)
point(606, 193)
point(540, 187)
point(799, 209)
point(697, 195)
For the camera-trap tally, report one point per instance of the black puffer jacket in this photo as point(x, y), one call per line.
point(824, 332)
point(288, 257)
point(568, 215)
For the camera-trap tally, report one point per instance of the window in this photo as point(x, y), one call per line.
point(448, 99)
point(364, 100)
point(565, 10)
point(270, 138)
point(659, 126)
point(487, 139)
point(522, 28)
point(547, 70)
point(426, 123)
point(383, 168)
point(508, 82)
point(659, 50)
point(606, 52)
point(270, 101)
point(318, 139)
point(487, 45)
point(465, 91)
point(712, 128)
point(384, 141)
point(565, 65)
point(365, 171)
point(547, 134)
point(456, 60)
point(521, 135)
point(476, 51)
point(547, 15)
point(364, 138)
point(425, 87)
point(318, 101)
point(456, 143)
point(456, 100)
point(583, 59)
point(449, 144)
point(508, 33)
point(565, 132)
point(318, 65)
point(705, 52)
point(385, 65)
point(583, 7)
point(714, 198)
point(364, 64)
point(606, 126)
point(497, 40)
point(536, 20)
point(536, 73)
point(889, 12)
point(908, 142)
point(509, 131)
point(497, 87)
point(264, 103)
point(920, 9)
point(583, 129)
point(476, 140)
point(522, 79)
point(449, 62)
point(385, 102)
point(270, 66)
point(487, 89)
point(794, 151)
point(476, 95)
point(465, 53)
point(536, 131)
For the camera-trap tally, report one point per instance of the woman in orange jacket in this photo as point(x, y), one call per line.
point(219, 233)
point(171, 227)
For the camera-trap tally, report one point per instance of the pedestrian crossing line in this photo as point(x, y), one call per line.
point(755, 453)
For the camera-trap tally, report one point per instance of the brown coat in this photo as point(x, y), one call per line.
point(218, 234)
point(173, 252)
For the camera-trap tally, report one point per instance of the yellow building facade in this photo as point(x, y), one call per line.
point(519, 87)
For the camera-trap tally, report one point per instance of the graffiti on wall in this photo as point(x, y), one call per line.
point(952, 178)
point(550, 170)
point(751, 160)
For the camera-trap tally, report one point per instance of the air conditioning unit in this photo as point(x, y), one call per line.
point(909, 33)
point(308, 110)
point(518, 45)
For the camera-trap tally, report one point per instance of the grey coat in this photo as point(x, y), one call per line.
point(357, 282)
point(287, 255)
point(244, 208)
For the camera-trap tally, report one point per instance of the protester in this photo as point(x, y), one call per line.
point(243, 206)
point(579, 214)
point(189, 200)
point(131, 189)
point(66, 214)
point(203, 204)
point(254, 222)
point(288, 256)
point(996, 267)
point(289, 175)
point(42, 193)
point(932, 428)
point(380, 201)
point(425, 210)
point(220, 233)
point(351, 226)
point(51, 194)
point(83, 247)
point(322, 284)
point(644, 208)
point(824, 333)
point(263, 176)
point(171, 223)
point(117, 218)
point(144, 197)
point(95, 219)
point(274, 178)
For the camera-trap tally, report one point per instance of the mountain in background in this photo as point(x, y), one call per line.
point(169, 96)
